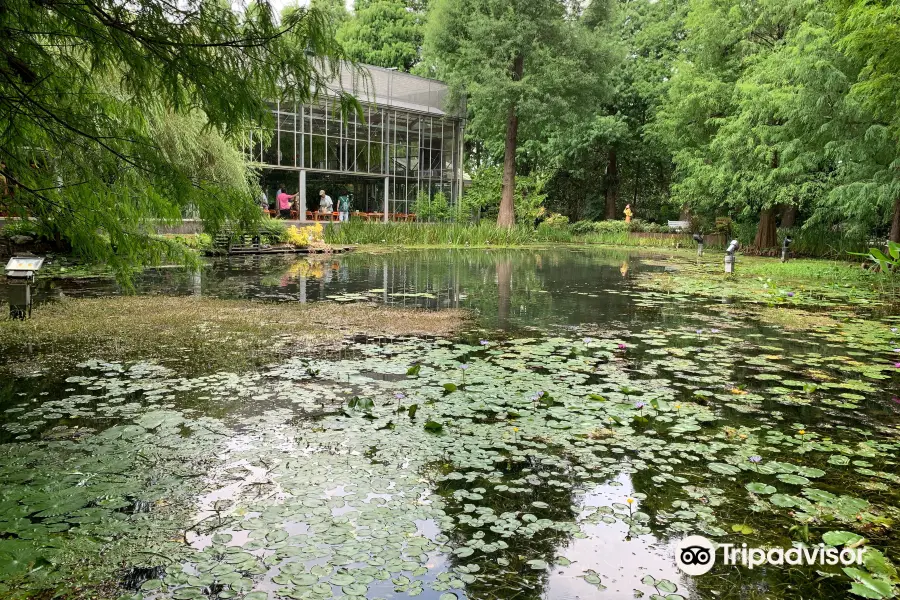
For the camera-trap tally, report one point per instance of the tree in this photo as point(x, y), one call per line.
point(385, 33)
point(105, 107)
point(515, 61)
point(613, 153)
point(335, 11)
point(869, 35)
point(738, 112)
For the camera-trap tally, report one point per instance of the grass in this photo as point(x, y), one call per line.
point(806, 282)
point(199, 334)
point(487, 235)
point(441, 234)
point(793, 320)
point(811, 243)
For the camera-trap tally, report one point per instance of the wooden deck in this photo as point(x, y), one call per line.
point(239, 250)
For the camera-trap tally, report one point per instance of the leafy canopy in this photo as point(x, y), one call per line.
point(384, 33)
point(114, 114)
point(472, 44)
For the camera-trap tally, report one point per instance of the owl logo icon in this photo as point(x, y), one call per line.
point(695, 555)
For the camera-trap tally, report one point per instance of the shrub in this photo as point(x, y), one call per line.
point(297, 238)
point(25, 227)
point(272, 231)
point(609, 227)
point(429, 208)
point(556, 220)
point(581, 227)
point(618, 227)
point(200, 241)
point(306, 236)
point(640, 226)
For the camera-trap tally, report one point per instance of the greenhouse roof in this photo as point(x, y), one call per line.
point(395, 89)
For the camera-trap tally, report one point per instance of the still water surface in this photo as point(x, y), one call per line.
point(574, 392)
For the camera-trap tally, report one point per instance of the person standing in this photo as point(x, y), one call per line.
point(263, 200)
point(628, 213)
point(326, 204)
point(284, 203)
point(344, 207)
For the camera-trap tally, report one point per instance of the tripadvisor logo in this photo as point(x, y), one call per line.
point(695, 555)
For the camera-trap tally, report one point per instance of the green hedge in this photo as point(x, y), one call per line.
point(609, 227)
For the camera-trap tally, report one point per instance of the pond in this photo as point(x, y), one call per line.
point(562, 447)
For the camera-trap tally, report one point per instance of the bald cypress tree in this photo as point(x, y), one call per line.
point(528, 68)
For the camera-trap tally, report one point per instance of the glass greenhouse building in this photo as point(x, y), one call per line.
point(407, 145)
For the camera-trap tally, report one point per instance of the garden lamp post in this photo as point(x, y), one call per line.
point(20, 272)
point(699, 239)
point(785, 246)
point(729, 256)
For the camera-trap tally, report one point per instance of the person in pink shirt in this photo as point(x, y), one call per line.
point(284, 201)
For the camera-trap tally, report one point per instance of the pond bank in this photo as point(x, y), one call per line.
point(205, 332)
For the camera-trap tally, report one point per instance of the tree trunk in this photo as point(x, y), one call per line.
point(637, 187)
point(895, 222)
point(788, 216)
point(612, 184)
point(504, 291)
point(507, 214)
point(766, 233)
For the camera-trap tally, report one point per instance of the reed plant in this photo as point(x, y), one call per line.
point(442, 234)
point(488, 234)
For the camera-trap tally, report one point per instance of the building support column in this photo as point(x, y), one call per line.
point(460, 170)
point(302, 197)
point(387, 188)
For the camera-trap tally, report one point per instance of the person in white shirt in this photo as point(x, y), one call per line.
point(326, 205)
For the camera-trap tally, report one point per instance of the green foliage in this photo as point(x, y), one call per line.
point(514, 63)
point(586, 227)
point(555, 230)
point(271, 231)
point(432, 208)
point(774, 105)
point(729, 120)
point(482, 197)
point(334, 11)
point(385, 33)
point(870, 35)
point(201, 241)
point(556, 220)
point(813, 239)
point(890, 263)
point(440, 234)
point(113, 115)
point(636, 226)
point(648, 36)
point(25, 227)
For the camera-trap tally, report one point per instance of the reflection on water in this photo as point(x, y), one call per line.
point(609, 549)
point(504, 287)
